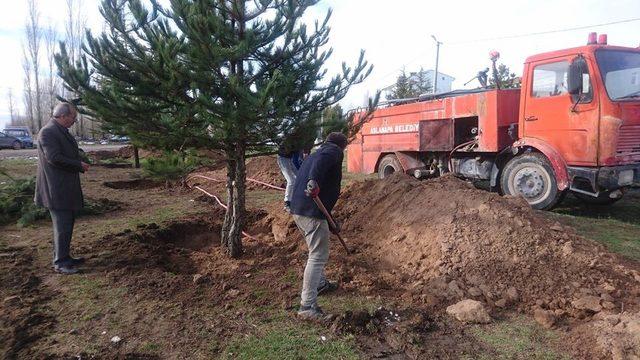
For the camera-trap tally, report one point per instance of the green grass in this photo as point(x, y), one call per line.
point(517, 338)
point(18, 168)
point(616, 226)
point(286, 340)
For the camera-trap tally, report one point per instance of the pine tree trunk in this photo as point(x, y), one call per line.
point(136, 157)
point(234, 219)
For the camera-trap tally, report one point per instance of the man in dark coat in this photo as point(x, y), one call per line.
point(58, 183)
point(320, 175)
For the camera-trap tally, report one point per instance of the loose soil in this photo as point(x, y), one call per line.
point(157, 276)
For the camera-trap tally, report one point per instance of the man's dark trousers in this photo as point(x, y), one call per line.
point(63, 221)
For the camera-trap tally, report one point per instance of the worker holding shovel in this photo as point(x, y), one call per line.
point(318, 182)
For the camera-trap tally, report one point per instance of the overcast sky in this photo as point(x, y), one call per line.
point(397, 34)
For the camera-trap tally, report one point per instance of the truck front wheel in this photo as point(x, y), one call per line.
point(388, 165)
point(532, 177)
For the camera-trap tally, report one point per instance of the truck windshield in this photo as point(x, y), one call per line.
point(621, 73)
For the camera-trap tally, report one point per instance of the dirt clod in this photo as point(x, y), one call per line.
point(469, 311)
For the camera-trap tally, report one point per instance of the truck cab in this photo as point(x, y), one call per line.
point(580, 107)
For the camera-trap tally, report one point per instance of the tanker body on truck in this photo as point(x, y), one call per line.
point(574, 125)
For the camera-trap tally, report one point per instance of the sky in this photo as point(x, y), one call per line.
point(397, 34)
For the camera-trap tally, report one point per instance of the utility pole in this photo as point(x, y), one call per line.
point(435, 75)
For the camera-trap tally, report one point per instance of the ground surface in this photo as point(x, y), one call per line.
point(157, 279)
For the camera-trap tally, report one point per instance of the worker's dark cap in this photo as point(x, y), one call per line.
point(337, 138)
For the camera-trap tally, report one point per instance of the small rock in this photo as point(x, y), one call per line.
point(512, 294)
point(589, 302)
point(226, 287)
point(606, 297)
point(73, 331)
point(199, 279)
point(501, 303)
point(469, 311)
point(11, 300)
point(567, 248)
point(612, 320)
point(474, 291)
point(247, 275)
point(608, 305)
point(556, 227)
point(116, 339)
point(233, 292)
point(545, 318)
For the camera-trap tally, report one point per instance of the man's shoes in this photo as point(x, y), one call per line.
point(287, 206)
point(76, 261)
point(66, 270)
point(311, 313)
point(327, 287)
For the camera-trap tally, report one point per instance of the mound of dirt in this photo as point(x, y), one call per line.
point(265, 169)
point(442, 241)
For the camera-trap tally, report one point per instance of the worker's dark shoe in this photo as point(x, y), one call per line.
point(287, 206)
point(76, 261)
point(327, 287)
point(65, 270)
point(311, 313)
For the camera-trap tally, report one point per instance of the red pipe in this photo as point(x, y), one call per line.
point(225, 207)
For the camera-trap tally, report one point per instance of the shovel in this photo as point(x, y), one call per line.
point(332, 223)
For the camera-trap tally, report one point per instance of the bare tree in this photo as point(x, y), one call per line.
point(50, 40)
point(28, 90)
point(12, 105)
point(74, 34)
point(34, 42)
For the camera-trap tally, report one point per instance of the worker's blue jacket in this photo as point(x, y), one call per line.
point(325, 167)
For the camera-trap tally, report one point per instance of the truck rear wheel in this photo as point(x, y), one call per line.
point(532, 177)
point(388, 166)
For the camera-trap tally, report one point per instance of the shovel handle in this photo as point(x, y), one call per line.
point(332, 223)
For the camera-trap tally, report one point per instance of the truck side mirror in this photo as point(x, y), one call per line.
point(574, 78)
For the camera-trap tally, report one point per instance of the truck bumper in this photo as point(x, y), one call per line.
point(608, 178)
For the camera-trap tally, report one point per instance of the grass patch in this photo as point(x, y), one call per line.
point(341, 304)
point(18, 168)
point(291, 341)
point(616, 226)
point(517, 338)
point(92, 298)
point(150, 348)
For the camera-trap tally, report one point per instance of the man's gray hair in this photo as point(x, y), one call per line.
point(62, 109)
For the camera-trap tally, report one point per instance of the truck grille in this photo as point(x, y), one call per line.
point(629, 140)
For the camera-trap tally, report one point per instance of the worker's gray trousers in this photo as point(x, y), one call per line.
point(63, 221)
point(289, 173)
point(316, 235)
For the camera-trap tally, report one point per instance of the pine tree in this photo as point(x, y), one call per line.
point(233, 75)
point(422, 83)
point(402, 89)
point(508, 79)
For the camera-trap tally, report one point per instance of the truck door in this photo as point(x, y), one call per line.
point(550, 114)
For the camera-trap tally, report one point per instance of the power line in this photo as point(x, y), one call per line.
point(511, 37)
point(546, 32)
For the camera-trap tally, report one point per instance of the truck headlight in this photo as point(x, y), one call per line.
point(625, 177)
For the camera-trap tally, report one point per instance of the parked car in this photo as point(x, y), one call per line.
point(10, 142)
point(21, 133)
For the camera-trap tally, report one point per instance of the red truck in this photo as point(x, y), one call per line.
point(574, 125)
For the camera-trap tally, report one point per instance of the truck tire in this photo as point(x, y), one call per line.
point(532, 177)
point(17, 145)
point(602, 200)
point(389, 165)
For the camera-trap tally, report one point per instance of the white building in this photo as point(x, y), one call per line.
point(444, 81)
